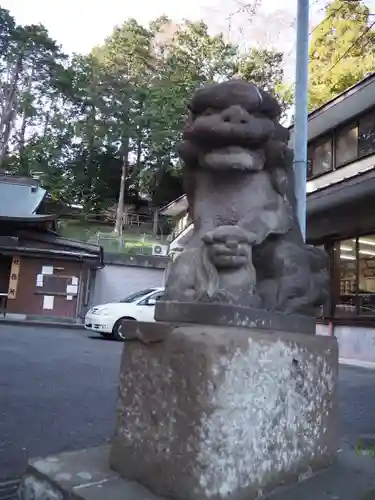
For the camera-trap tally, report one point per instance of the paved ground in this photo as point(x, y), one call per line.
point(356, 402)
point(58, 391)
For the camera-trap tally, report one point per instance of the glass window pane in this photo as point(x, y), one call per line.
point(366, 275)
point(366, 134)
point(322, 158)
point(323, 310)
point(346, 303)
point(136, 295)
point(346, 145)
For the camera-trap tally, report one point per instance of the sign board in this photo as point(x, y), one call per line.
point(14, 278)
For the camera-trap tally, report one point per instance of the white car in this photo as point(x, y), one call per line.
point(107, 319)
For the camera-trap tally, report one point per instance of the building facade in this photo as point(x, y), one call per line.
point(41, 273)
point(341, 215)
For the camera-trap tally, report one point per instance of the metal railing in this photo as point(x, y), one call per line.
point(125, 244)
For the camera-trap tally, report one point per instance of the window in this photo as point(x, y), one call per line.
point(366, 134)
point(157, 296)
point(353, 279)
point(346, 145)
point(152, 298)
point(322, 157)
point(133, 297)
point(324, 309)
point(351, 142)
point(346, 304)
point(366, 275)
point(52, 284)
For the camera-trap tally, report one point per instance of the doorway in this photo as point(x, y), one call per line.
point(5, 268)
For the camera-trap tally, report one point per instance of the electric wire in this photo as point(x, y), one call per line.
point(336, 11)
point(352, 46)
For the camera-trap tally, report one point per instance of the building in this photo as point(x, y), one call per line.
point(41, 273)
point(340, 214)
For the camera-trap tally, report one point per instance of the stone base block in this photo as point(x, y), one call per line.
point(225, 412)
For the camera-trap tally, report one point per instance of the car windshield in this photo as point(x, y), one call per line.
point(137, 295)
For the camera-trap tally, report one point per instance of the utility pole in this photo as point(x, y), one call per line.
point(301, 111)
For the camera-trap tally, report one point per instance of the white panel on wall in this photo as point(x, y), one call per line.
point(356, 342)
point(322, 329)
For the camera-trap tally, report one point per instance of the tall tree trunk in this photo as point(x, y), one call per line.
point(139, 151)
point(24, 168)
point(155, 222)
point(8, 115)
point(121, 198)
point(90, 154)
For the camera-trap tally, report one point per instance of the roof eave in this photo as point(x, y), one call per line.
point(356, 100)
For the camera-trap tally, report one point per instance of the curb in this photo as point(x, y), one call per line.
point(370, 365)
point(49, 324)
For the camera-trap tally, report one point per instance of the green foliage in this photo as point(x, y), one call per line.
point(78, 123)
point(342, 50)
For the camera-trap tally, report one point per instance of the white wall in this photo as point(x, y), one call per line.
point(322, 329)
point(356, 343)
point(116, 282)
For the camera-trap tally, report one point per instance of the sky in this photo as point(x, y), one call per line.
point(78, 25)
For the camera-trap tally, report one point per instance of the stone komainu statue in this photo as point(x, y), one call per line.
point(246, 248)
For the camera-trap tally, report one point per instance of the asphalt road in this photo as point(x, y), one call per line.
point(58, 391)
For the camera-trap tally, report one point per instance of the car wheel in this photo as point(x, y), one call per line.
point(118, 329)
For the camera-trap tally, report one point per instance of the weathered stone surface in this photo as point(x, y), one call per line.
point(81, 475)
point(146, 332)
point(221, 412)
point(246, 248)
point(35, 488)
point(350, 478)
point(223, 315)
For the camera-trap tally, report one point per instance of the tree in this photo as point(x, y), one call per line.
point(31, 71)
point(126, 61)
point(342, 50)
point(265, 68)
point(102, 128)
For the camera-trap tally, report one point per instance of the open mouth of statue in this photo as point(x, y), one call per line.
point(236, 157)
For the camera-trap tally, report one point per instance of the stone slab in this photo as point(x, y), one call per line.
point(232, 315)
point(225, 412)
point(145, 331)
point(351, 477)
point(78, 475)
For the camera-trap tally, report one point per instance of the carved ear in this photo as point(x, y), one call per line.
point(191, 115)
point(269, 106)
point(279, 181)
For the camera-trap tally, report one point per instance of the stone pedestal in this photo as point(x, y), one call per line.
point(225, 412)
